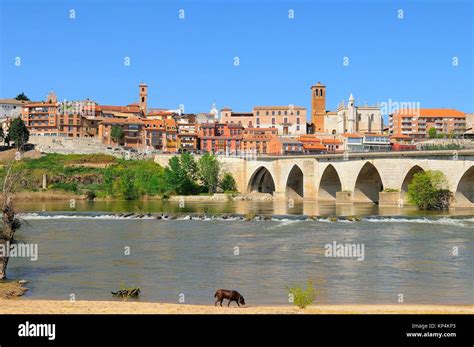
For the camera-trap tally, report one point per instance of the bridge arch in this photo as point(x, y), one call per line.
point(295, 182)
point(261, 181)
point(409, 177)
point(465, 189)
point(329, 184)
point(368, 184)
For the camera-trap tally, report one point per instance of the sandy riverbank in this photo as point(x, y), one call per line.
point(22, 306)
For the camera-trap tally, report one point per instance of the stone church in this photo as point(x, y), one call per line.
point(348, 118)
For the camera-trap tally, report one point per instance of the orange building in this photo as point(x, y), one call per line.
point(132, 129)
point(402, 142)
point(312, 144)
point(187, 136)
point(333, 145)
point(171, 136)
point(220, 137)
point(261, 141)
point(155, 133)
point(417, 123)
point(41, 118)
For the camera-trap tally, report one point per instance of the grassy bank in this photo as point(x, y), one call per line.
point(96, 175)
point(101, 176)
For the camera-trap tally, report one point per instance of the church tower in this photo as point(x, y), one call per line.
point(143, 94)
point(318, 107)
point(351, 117)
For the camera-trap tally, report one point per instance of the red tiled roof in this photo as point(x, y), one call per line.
point(313, 145)
point(130, 120)
point(124, 109)
point(432, 112)
point(400, 136)
point(331, 141)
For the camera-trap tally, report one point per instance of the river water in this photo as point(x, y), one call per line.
point(83, 250)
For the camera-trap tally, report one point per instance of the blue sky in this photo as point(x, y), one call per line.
point(191, 61)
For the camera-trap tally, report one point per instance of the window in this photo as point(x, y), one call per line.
point(273, 120)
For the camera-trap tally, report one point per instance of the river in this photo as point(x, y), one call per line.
point(89, 249)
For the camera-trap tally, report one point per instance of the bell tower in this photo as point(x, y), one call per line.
point(318, 106)
point(143, 94)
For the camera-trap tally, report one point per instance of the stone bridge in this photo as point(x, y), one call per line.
point(355, 177)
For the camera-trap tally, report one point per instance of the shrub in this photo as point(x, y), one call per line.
point(90, 195)
point(303, 297)
point(228, 183)
point(429, 191)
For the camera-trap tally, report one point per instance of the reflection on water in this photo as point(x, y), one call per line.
point(309, 208)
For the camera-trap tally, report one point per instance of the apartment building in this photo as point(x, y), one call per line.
point(187, 135)
point(261, 141)
point(220, 137)
point(41, 118)
point(132, 130)
point(288, 120)
point(417, 123)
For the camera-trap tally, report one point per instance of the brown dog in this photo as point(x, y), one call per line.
point(231, 295)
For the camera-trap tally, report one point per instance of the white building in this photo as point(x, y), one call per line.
point(10, 108)
point(354, 119)
point(211, 117)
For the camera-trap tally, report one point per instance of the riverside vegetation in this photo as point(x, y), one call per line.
point(105, 176)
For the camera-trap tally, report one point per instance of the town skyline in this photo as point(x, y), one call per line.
point(194, 65)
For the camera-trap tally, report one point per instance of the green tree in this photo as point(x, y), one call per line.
point(22, 97)
point(228, 183)
point(117, 133)
point(2, 134)
point(124, 186)
point(181, 174)
point(429, 191)
point(18, 132)
point(209, 172)
point(432, 133)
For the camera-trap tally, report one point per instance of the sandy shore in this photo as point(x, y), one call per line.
point(22, 306)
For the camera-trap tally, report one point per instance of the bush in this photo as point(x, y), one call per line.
point(303, 297)
point(228, 183)
point(90, 195)
point(429, 191)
